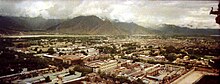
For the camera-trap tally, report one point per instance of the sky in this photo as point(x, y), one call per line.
point(193, 14)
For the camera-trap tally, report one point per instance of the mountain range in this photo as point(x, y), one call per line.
point(91, 25)
point(13, 25)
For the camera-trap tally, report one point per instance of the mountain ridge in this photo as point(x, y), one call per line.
point(91, 25)
point(95, 25)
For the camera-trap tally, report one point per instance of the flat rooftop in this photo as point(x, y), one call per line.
point(189, 79)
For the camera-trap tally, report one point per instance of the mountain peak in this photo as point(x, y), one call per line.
point(96, 25)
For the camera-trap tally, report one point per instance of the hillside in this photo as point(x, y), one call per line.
point(94, 25)
point(91, 25)
point(167, 29)
point(85, 25)
point(13, 25)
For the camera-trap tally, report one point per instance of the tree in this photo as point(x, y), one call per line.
point(40, 51)
point(60, 53)
point(170, 49)
point(47, 79)
point(84, 53)
point(139, 81)
point(35, 49)
point(51, 51)
point(72, 72)
point(151, 61)
point(171, 57)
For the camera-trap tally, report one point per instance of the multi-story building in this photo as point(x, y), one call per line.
point(103, 66)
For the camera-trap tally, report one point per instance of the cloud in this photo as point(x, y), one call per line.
point(143, 12)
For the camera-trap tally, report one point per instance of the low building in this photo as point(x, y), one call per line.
point(152, 70)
